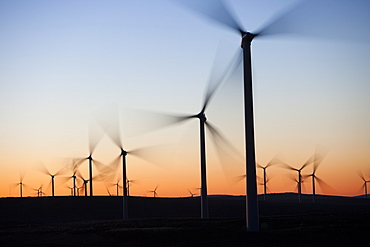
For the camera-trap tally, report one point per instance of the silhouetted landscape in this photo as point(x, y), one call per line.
point(96, 221)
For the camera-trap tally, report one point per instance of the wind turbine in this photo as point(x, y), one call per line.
point(117, 185)
point(94, 138)
point(293, 21)
point(128, 185)
point(316, 162)
point(84, 181)
point(191, 193)
point(20, 184)
point(74, 186)
point(212, 87)
point(43, 169)
point(273, 161)
point(299, 177)
point(365, 182)
point(154, 191)
point(298, 183)
point(111, 126)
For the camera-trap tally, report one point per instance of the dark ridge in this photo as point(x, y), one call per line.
point(96, 221)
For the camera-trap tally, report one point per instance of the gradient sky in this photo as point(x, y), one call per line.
point(64, 62)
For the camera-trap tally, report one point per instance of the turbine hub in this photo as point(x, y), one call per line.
point(247, 38)
point(123, 152)
point(202, 117)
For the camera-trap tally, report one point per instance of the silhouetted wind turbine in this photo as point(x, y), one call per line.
point(191, 193)
point(117, 185)
point(73, 177)
point(365, 182)
point(317, 159)
point(84, 181)
point(20, 184)
point(308, 17)
point(128, 185)
point(43, 169)
point(94, 138)
point(273, 161)
point(111, 126)
point(299, 177)
point(298, 183)
point(117, 188)
point(212, 87)
point(154, 191)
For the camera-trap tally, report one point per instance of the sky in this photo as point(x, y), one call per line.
point(64, 64)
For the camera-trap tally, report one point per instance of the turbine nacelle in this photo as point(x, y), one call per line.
point(123, 152)
point(247, 37)
point(202, 116)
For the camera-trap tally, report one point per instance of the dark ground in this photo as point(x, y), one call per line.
point(95, 221)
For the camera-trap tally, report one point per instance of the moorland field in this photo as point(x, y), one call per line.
point(96, 221)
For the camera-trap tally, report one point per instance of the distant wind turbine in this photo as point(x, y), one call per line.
point(94, 138)
point(273, 161)
point(111, 126)
point(132, 181)
point(365, 182)
point(154, 191)
point(317, 159)
point(74, 185)
point(191, 193)
point(20, 184)
point(84, 182)
point(299, 177)
point(42, 168)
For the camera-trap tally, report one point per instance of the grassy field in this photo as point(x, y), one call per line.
point(95, 221)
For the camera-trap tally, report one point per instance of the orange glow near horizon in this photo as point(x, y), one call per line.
point(126, 63)
point(176, 175)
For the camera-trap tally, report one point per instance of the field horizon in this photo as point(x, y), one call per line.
point(96, 221)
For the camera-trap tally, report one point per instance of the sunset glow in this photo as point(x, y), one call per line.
point(65, 64)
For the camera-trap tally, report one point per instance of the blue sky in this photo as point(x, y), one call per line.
point(63, 61)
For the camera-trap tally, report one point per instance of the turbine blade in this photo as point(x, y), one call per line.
point(48, 188)
point(216, 78)
point(40, 167)
point(22, 174)
point(79, 175)
point(343, 20)
point(215, 10)
point(274, 161)
point(114, 166)
point(324, 186)
point(286, 166)
point(361, 175)
point(61, 171)
point(150, 154)
point(76, 163)
point(99, 165)
point(226, 152)
point(95, 135)
point(148, 121)
point(64, 179)
point(109, 121)
point(308, 162)
point(318, 157)
point(239, 178)
point(220, 139)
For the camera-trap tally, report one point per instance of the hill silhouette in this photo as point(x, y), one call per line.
point(96, 221)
